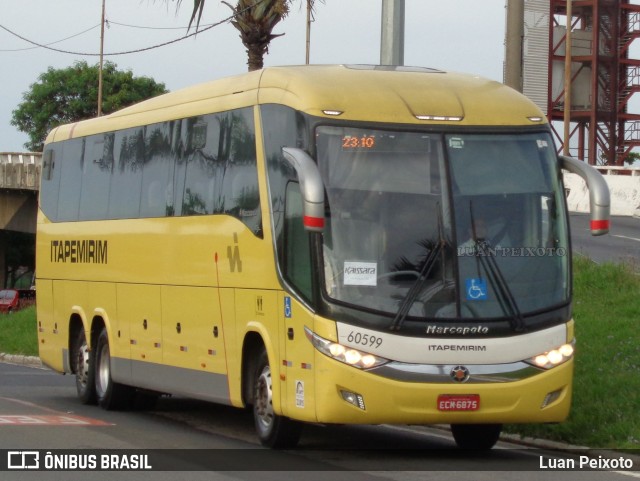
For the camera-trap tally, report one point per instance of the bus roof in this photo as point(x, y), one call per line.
point(407, 95)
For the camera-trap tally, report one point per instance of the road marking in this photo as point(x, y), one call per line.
point(626, 237)
point(49, 420)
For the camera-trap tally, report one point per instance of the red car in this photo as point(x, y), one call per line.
point(9, 300)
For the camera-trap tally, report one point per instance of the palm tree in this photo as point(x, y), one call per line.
point(255, 20)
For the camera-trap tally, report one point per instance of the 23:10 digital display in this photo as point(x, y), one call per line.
point(364, 142)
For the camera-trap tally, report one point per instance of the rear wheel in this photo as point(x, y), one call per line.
point(476, 436)
point(110, 395)
point(273, 430)
point(83, 367)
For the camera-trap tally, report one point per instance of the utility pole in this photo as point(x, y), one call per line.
point(101, 61)
point(308, 31)
point(392, 37)
point(567, 80)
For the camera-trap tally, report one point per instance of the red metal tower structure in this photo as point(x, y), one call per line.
point(603, 78)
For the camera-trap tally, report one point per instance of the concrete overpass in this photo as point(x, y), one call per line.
point(19, 183)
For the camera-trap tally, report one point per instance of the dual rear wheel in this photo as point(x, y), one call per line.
point(94, 383)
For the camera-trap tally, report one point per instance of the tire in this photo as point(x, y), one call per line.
point(476, 436)
point(110, 395)
point(273, 430)
point(83, 366)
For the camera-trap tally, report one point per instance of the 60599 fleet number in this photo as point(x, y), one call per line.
point(368, 340)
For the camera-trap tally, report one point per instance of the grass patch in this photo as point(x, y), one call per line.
point(18, 332)
point(606, 390)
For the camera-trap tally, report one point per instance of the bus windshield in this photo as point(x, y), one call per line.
point(482, 237)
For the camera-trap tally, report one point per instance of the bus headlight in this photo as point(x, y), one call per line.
point(554, 357)
point(348, 355)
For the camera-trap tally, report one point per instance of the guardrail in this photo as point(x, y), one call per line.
point(617, 170)
point(20, 170)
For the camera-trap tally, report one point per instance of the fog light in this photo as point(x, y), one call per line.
point(551, 398)
point(353, 398)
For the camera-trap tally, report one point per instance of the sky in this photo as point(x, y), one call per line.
point(458, 35)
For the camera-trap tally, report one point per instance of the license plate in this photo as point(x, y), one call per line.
point(458, 402)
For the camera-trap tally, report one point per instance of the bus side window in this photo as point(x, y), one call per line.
point(96, 177)
point(203, 138)
point(70, 180)
point(157, 173)
point(126, 180)
point(50, 187)
point(240, 184)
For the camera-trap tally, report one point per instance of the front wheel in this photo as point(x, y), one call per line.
point(273, 430)
point(476, 436)
point(110, 395)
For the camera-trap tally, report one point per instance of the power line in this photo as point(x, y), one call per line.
point(144, 27)
point(127, 52)
point(109, 23)
point(50, 43)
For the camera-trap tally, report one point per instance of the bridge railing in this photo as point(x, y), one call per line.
point(618, 170)
point(20, 170)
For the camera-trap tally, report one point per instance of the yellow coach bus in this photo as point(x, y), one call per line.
point(326, 244)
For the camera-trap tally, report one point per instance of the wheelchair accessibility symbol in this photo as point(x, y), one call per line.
point(476, 289)
point(287, 307)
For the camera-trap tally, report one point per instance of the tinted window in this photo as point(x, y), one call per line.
point(96, 177)
point(157, 173)
point(71, 163)
point(195, 166)
point(50, 184)
point(126, 180)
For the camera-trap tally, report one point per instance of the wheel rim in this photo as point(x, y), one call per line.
point(103, 373)
point(82, 368)
point(263, 404)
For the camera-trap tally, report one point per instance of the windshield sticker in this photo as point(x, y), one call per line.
point(456, 143)
point(476, 289)
point(542, 144)
point(360, 273)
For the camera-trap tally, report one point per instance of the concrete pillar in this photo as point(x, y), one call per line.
point(514, 44)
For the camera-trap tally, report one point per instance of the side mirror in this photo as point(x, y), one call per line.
point(311, 188)
point(599, 198)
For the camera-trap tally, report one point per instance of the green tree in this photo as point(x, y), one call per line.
point(632, 157)
point(255, 20)
point(61, 96)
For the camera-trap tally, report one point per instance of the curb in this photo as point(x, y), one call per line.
point(22, 360)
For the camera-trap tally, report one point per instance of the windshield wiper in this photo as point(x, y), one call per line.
point(416, 288)
point(485, 256)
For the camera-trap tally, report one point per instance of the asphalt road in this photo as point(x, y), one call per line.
point(39, 411)
point(621, 244)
